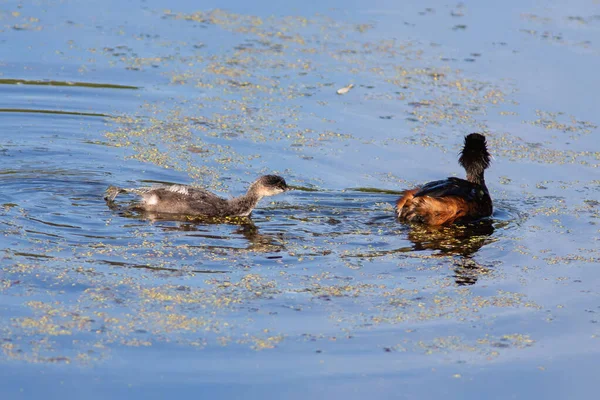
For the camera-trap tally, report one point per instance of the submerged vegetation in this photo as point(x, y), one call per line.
point(216, 98)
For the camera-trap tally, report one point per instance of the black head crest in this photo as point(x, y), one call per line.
point(474, 156)
point(274, 181)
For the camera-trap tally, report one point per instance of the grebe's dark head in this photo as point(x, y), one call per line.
point(474, 156)
point(269, 185)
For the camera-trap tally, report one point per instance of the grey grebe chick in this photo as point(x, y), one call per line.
point(188, 200)
point(452, 200)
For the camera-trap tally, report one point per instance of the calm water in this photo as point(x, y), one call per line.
point(322, 293)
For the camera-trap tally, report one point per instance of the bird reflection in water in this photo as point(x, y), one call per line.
point(459, 241)
point(257, 242)
point(261, 243)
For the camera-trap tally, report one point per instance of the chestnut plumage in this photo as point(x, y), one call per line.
point(452, 200)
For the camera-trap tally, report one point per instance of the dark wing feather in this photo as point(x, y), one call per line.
point(206, 203)
point(452, 187)
point(181, 199)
